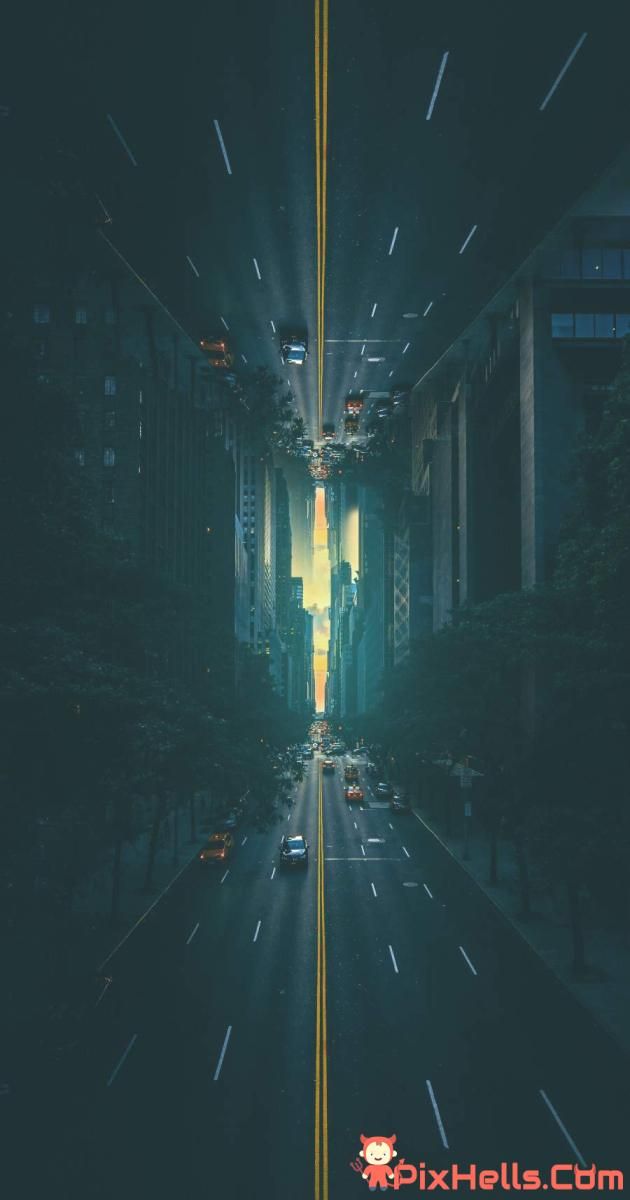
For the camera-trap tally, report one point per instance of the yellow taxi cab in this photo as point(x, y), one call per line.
point(218, 848)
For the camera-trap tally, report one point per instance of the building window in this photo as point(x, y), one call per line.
point(110, 316)
point(570, 268)
point(80, 316)
point(612, 264)
point(110, 385)
point(40, 350)
point(604, 325)
point(109, 457)
point(140, 429)
point(622, 325)
point(41, 314)
point(591, 264)
point(110, 419)
point(79, 457)
point(626, 263)
point(585, 325)
point(562, 325)
point(109, 492)
point(140, 397)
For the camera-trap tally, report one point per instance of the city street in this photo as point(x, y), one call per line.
point(203, 1070)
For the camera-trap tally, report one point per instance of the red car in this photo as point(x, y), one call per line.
point(353, 794)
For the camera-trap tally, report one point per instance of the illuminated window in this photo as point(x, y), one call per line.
point(41, 314)
point(110, 385)
point(79, 457)
point(109, 457)
point(80, 316)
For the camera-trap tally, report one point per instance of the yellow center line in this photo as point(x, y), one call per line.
point(321, 1034)
point(324, 185)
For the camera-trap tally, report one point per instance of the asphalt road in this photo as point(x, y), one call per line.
point(447, 156)
point(202, 1072)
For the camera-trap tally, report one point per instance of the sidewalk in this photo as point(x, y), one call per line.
point(607, 994)
point(93, 899)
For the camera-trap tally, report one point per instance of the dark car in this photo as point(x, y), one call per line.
point(294, 851)
point(399, 803)
point(384, 789)
point(328, 766)
point(294, 351)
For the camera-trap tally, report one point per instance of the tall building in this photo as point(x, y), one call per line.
point(156, 470)
point(283, 552)
point(495, 421)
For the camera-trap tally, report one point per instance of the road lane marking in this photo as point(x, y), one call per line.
point(393, 243)
point(437, 1114)
point(257, 268)
point(146, 914)
point(355, 825)
point(374, 308)
point(244, 840)
point(222, 1054)
point(224, 322)
point(405, 851)
point(563, 1127)
point(272, 326)
point(255, 937)
point(470, 235)
point(372, 858)
point(462, 951)
point(428, 309)
point(390, 825)
point(428, 891)
point(222, 145)
point(273, 873)
point(394, 960)
point(363, 849)
point(438, 81)
point(191, 935)
point(224, 877)
point(121, 139)
point(558, 80)
point(108, 982)
point(321, 1036)
point(121, 1060)
point(192, 265)
point(374, 890)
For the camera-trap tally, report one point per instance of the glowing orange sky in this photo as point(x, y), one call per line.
point(317, 598)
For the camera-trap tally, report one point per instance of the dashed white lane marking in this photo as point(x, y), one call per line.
point(355, 825)
point(437, 1114)
point(390, 825)
point(395, 964)
point(121, 1060)
point(462, 951)
point(363, 849)
point(191, 936)
point(224, 877)
point(255, 937)
point(244, 840)
point(373, 889)
point(108, 983)
point(273, 873)
point(563, 1127)
point(405, 851)
point(222, 1054)
point(428, 891)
